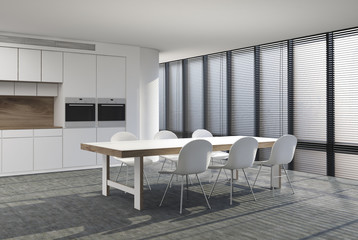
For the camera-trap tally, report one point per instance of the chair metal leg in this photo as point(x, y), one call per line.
point(231, 186)
point(257, 176)
point(221, 161)
point(187, 188)
point(146, 178)
point(161, 169)
point(212, 189)
point(293, 192)
point(120, 168)
point(248, 183)
point(181, 194)
point(166, 190)
point(202, 189)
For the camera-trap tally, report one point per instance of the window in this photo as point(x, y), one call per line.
point(175, 97)
point(243, 92)
point(310, 101)
point(195, 94)
point(217, 94)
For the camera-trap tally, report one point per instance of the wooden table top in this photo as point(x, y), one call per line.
point(141, 148)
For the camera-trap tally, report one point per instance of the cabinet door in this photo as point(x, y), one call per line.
point(79, 75)
point(47, 89)
point(47, 153)
point(17, 154)
point(104, 135)
point(52, 66)
point(111, 77)
point(25, 89)
point(7, 88)
point(29, 65)
point(8, 64)
point(73, 156)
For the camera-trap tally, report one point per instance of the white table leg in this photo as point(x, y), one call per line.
point(138, 183)
point(105, 175)
point(276, 176)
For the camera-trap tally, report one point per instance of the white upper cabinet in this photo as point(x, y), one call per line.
point(8, 64)
point(29, 65)
point(111, 77)
point(79, 75)
point(52, 66)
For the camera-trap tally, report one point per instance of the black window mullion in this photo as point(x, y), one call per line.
point(228, 91)
point(166, 79)
point(330, 105)
point(290, 97)
point(257, 90)
point(185, 96)
point(205, 79)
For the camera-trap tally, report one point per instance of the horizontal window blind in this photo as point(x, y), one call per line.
point(346, 102)
point(195, 94)
point(310, 101)
point(217, 94)
point(175, 97)
point(243, 92)
point(162, 90)
point(310, 161)
point(346, 88)
point(310, 89)
point(273, 92)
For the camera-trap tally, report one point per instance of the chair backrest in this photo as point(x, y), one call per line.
point(165, 134)
point(123, 136)
point(200, 133)
point(242, 153)
point(283, 150)
point(194, 157)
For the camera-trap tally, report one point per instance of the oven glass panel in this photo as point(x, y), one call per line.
point(81, 112)
point(111, 112)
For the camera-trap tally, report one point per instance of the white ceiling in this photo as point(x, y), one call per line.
point(177, 28)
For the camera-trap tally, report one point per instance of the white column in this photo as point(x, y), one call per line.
point(149, 93)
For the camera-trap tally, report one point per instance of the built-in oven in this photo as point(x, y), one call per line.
point(111, 112)
point(80, 112)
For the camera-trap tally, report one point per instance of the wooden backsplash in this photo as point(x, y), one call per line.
point(26, 112)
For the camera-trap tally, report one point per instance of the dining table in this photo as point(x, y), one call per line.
point(139, 149)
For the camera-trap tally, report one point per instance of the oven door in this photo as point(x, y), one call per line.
point(80, 115)
point(111, 114)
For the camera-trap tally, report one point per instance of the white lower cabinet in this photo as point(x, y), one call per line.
point(104, 135)
point(17, 154)
point(73, 156)
point(47, 149)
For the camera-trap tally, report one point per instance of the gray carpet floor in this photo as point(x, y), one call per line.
point(69, 205)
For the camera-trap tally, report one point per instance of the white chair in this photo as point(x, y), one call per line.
point(282, 152)
point(127, 136)
point(193, 158)
point(165, 134)
point(216, 155)
point(242, 155)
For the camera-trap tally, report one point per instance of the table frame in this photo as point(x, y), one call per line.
point(146, 148)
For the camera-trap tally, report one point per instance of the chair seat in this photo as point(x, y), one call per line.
point(263, 163)
point(216, 166)
point(171, 157)
point(130, 161)
point(219, 155)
